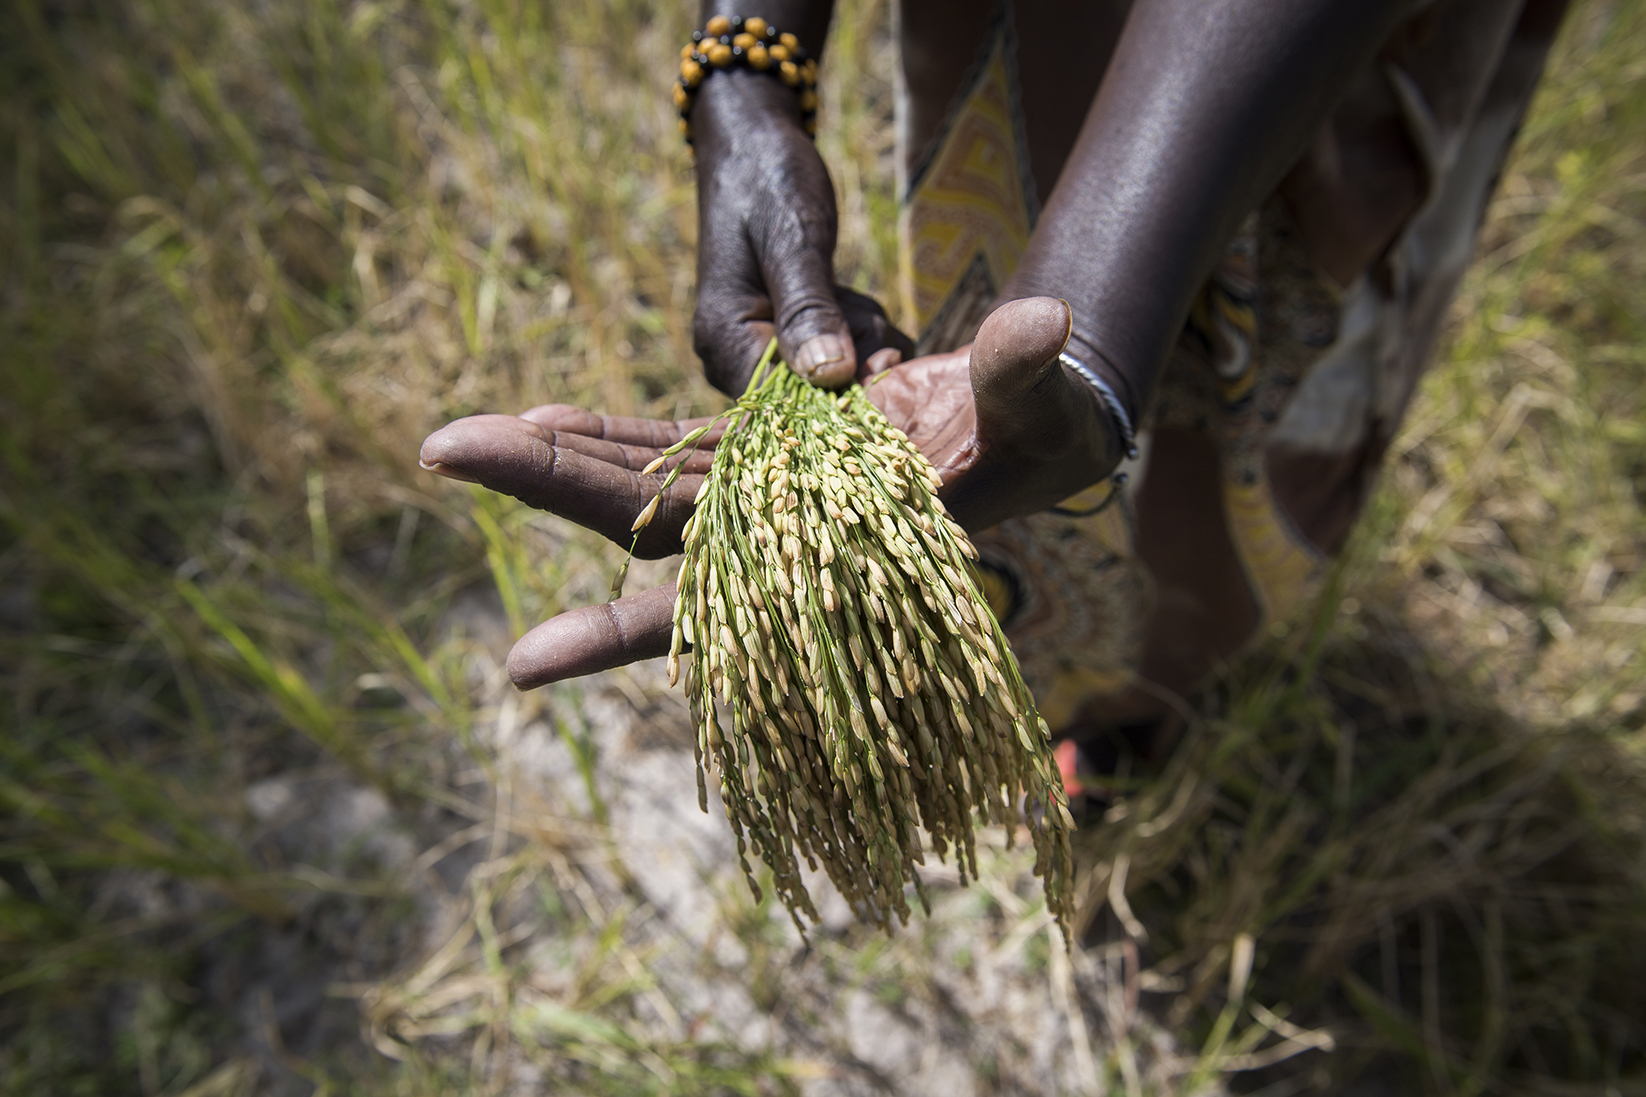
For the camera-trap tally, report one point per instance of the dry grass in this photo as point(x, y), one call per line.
point(1425, 807)
point(249, 661)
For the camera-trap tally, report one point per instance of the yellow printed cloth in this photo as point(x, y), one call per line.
point(1071, 591)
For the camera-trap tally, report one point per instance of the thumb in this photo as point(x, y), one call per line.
point(1026, 401)
point(1042, 432)
point(812, 333)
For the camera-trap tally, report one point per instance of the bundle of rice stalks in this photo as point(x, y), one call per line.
point(847, 678)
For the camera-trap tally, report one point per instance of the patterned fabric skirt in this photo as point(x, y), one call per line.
point(1297, 380)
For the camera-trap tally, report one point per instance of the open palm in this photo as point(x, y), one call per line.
point(1008, 429)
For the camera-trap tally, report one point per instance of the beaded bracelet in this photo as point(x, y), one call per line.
point(731, 40)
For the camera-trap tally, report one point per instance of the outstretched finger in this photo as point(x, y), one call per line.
point(623, 455)
point(596, 494)
point(595, 638)
point(693, 459)
point(627, 430)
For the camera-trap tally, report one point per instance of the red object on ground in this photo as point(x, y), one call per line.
point(1067, 755)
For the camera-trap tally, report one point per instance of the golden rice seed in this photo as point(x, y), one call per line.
point(859, 726)
point(873, 760)
point(894, 681)
point(928, 747)
point(980, 679)
point(879, 711)
point(1063, 815)
point(871, 676)
point(691, 438)
point(856, 651)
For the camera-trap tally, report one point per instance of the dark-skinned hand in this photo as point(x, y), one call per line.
point(765, 251)
point(1009, 429)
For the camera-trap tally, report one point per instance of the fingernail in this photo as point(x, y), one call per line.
point(882, 360)
point(823, 358)
point(448, 472)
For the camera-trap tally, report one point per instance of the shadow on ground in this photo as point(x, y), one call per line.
point(1358, 841)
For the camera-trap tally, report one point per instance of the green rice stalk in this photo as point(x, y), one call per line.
point(848, 679)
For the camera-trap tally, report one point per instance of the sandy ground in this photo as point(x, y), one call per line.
point(979, 998)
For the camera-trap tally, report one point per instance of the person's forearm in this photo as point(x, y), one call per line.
point(1206, 105)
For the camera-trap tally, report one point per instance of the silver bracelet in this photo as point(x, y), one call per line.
point(1128, 436)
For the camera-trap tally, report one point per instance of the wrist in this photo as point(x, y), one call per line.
point(742, 103)
point(1110, 386)
point(1109, 374)
point(732, 43)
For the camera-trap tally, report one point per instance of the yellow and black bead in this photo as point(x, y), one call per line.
point(731, 41)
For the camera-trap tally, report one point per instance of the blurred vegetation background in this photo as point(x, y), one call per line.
point(254, 253)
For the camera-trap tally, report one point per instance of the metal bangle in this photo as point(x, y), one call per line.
point(1128, 436)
